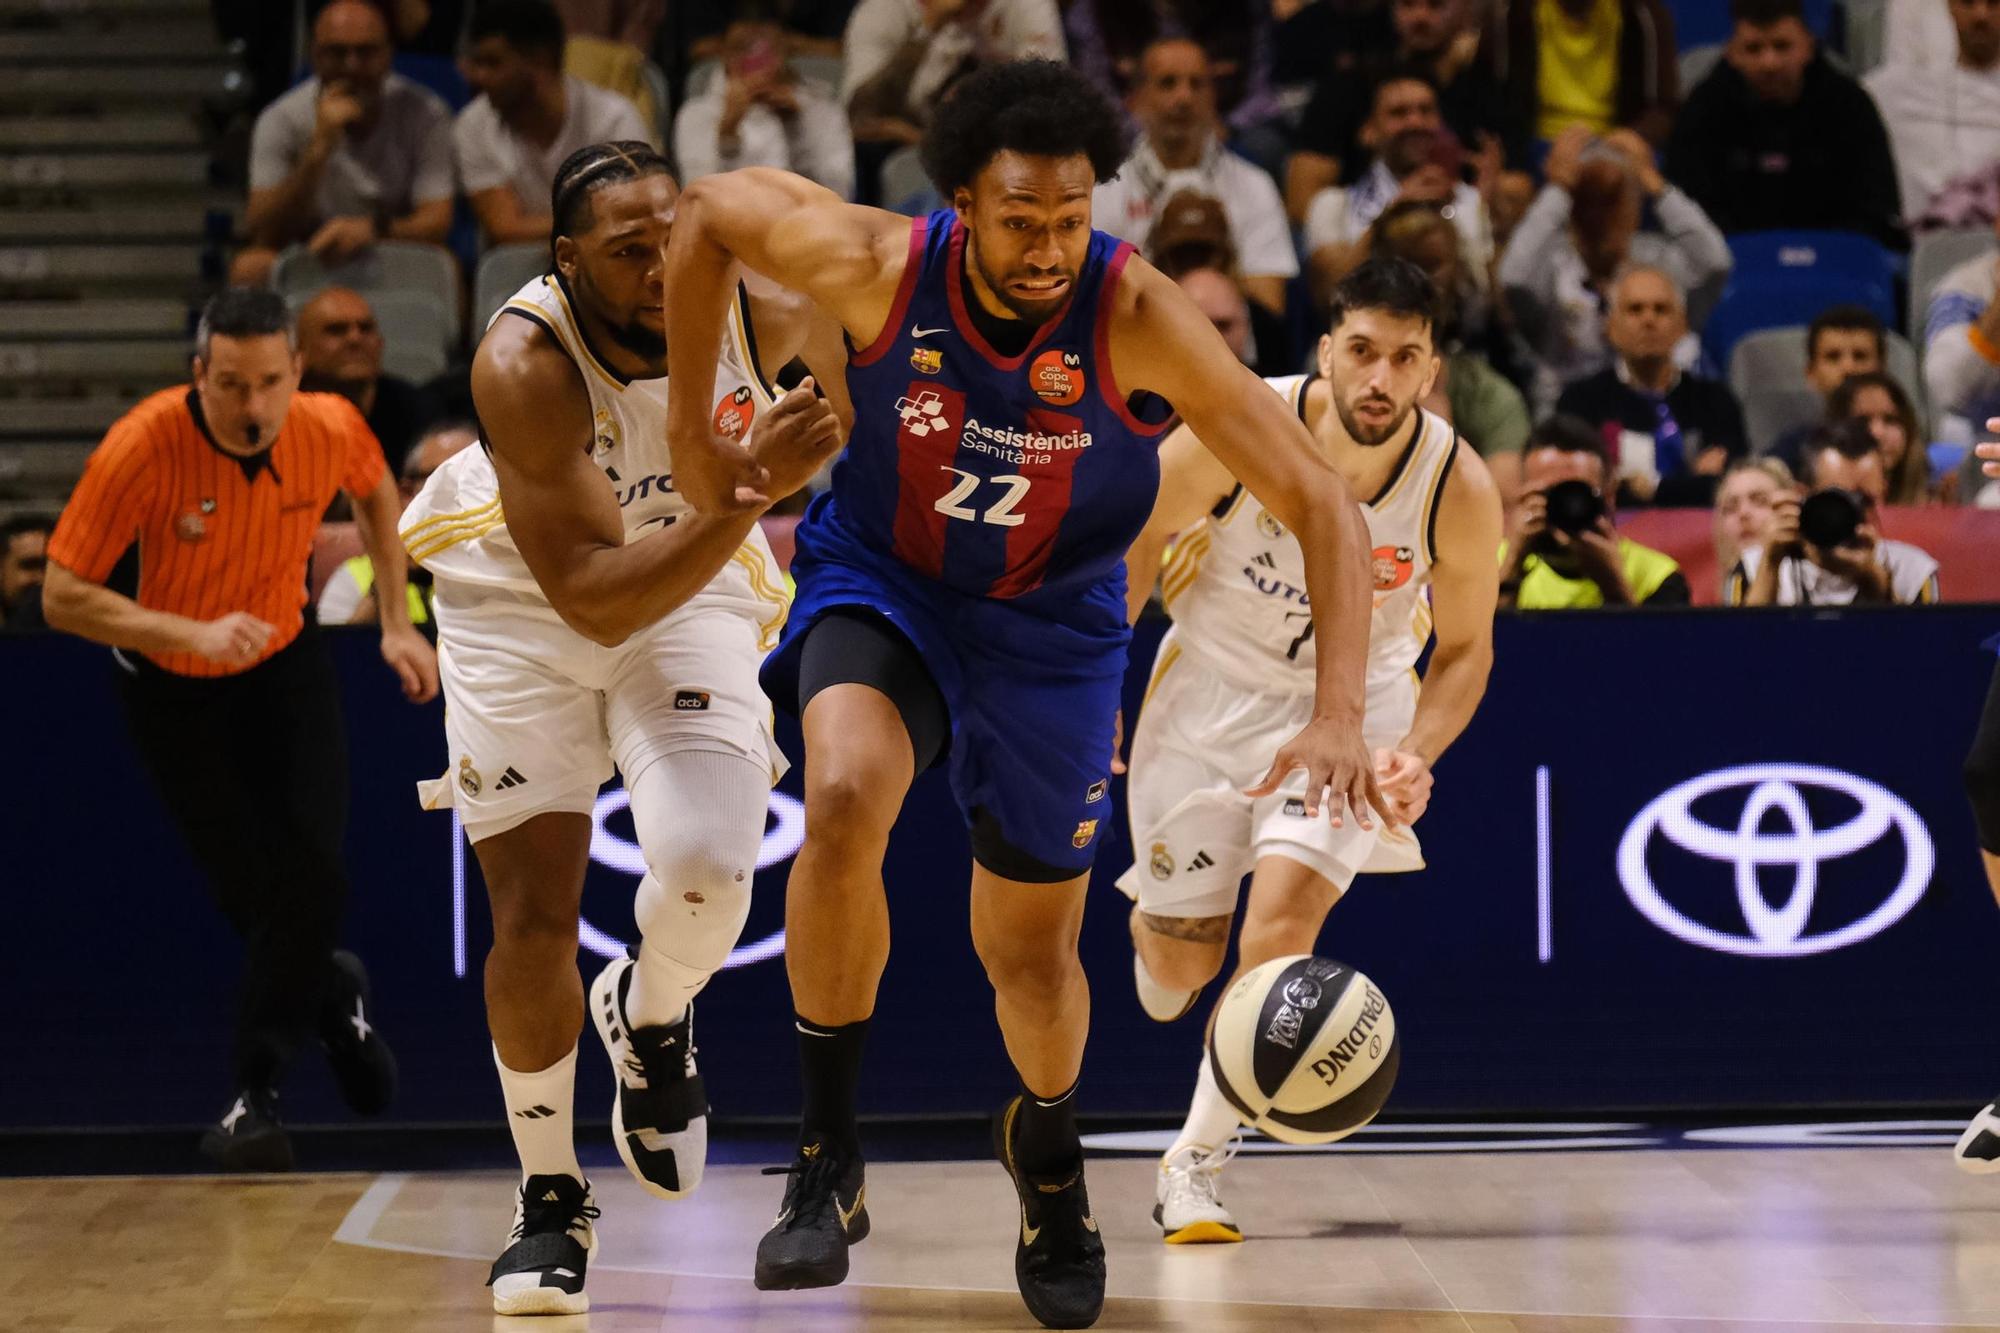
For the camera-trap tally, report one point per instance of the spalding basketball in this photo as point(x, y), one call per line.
point(1305, 1049)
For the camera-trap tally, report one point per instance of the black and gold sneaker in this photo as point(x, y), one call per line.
point(1059, 1255)
point(825, 1211)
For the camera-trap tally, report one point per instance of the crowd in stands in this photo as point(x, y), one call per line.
point(1579, 208)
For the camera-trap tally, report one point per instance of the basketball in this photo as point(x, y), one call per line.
point(1305, 1049)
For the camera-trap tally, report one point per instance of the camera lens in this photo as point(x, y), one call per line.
point(1831, 517)
point(1573, 506)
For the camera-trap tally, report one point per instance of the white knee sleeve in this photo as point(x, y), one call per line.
point(699, 816)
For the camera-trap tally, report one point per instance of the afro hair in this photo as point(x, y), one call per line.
point(1037, 107)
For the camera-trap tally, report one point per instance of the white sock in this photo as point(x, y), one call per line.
point(1211, 1121)
point(540, 1112)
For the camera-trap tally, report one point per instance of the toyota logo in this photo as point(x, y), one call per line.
point(1775, 931)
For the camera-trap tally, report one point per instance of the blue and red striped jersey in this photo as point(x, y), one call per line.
point(997, 476)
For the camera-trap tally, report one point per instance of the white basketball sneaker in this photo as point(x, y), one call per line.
point(1161, 1003)
point(1184, 1199)
point(1978, 1149)
point(542, 1270)
point(659, 1118)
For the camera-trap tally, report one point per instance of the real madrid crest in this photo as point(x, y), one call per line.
point(468, 777)
point(1269, 526)
point(606, 427)
point(1162, 864)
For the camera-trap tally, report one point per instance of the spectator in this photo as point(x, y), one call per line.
point(1944, 123)
point(1218, 297)
point(24, 548)
point(1778, 138)
point(812, 27)
point(1597, 65)
point(346, 599)
point(1440, 40)
point(903, 54)
point(1582, 229)
point(1744, 501)
point(528, 118)
point(1488, 412)
point(1192, 233)
point(1842, 340)
point(1315, 40)
point(634, 23)
point(1562, 551)
point(1863, 567)
point(1676, 432)
point(351, 156)
point(1884, 406)
point(1182, 150)
point(758, 113)
point(341, 346)
point(1108, 40)
point(1418, 165)
point(1962, 348)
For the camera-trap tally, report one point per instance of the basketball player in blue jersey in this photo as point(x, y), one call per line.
point(961, 595)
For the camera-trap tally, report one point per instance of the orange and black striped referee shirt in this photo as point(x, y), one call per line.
point(216, 533)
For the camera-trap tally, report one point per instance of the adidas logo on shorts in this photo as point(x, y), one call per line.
point(511, 778)
point(1202, 861)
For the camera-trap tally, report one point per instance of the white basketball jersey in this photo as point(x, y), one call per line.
point(1236, 584)
point(455, 527)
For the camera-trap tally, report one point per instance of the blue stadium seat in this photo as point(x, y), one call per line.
point(1787, 277)
point(1704, 22)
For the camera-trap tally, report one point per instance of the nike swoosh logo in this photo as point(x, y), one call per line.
point(847, 1215)
point(918, 332)
point(1028, 1233)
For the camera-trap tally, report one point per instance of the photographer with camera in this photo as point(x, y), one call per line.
point(1562, 552)
point(1826, 549)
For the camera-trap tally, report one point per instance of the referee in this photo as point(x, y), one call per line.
point(229, 694)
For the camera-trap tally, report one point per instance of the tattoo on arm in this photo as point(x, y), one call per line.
point(1197, 929)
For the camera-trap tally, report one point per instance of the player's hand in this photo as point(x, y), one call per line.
point(410, 655)
point(236, 639)
point(1405, 778)
point(1118, 742)
point(1338, 767)
point(1989, 452)
point(794, 440)
point(340, 239)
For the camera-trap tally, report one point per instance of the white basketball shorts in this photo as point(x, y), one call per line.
point(1201, 740)
point(537, 716)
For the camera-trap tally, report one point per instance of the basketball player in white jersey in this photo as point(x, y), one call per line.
point(587, 619)
point(1235, 673)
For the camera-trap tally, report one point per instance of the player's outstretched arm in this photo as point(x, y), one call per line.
point(562, 514)
point(800, 235)
point(1192, 482)
point(1161, 342)
point(1465, 589)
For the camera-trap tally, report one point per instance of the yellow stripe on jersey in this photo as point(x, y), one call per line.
point(1185, 568)
point(417, 530)
point(446, 538)
point(1160, 669)
point(581, 352)
point(1235, 505)
point(764, 590)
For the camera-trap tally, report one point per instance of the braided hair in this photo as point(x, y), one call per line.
point(590, 169)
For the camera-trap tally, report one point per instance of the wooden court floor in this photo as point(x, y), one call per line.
point(1560, 1242)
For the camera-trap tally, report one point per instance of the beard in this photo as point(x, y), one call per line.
point(1370, 436)
point(642, 342)
point(1035, 312)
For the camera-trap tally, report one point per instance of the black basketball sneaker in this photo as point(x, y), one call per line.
point(1059, 1258)
point(659, 1117)
point(1978, 1149)
point(825, 1211)
point(249, 1137)
point(542, 1272)
point(363, 1064)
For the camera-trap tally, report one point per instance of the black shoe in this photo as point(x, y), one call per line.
point(824, 1212)
point(249, 1137)
point(659, 1119)
point(363, 1064)
point(542, 1271)
point(1059, 1257)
